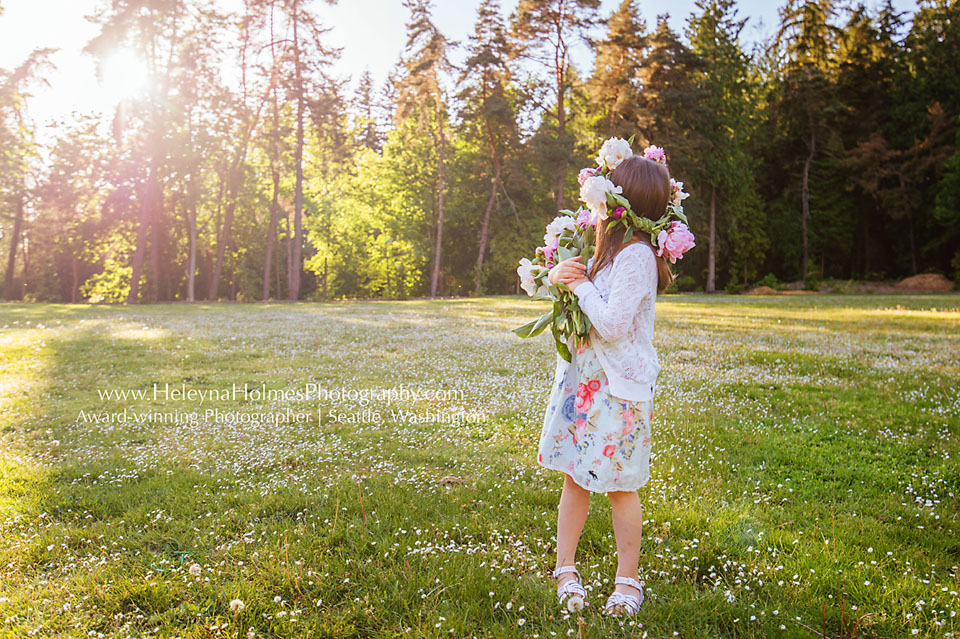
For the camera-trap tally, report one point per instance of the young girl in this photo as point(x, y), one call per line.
point(597, 424)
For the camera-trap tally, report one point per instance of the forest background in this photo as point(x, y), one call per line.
point(827, 150)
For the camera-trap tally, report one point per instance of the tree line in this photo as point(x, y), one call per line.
point(829, 150)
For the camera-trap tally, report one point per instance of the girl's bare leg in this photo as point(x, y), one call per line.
point(627, 527)
point(572, 515)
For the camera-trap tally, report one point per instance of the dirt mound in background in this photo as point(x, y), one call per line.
point(925, 283)
point(762, 290)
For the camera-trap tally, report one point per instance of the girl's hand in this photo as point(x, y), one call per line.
point(570, 272)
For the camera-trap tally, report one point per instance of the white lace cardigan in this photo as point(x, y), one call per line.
point(620, 305)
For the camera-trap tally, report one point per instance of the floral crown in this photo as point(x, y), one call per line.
point(669, 235)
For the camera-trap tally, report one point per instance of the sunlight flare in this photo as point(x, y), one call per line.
point(123, 76)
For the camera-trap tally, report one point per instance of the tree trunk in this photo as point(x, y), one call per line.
point(805, 198)
point(296, 257)
point(192, 247)
point(271, 236)
point(561, 133)
point(913, 243)
point(157, 284)
point(712, 241)
point(275, 202)
point(276, 264)
point(866, 250)
point(286, 215)
point(434, 280)
point(236, 173)
point(218, 228)
point(75, 281)
point(273, 233)
point(560, 63)
point(147, 202)
point(8, 292)
point(484, 228)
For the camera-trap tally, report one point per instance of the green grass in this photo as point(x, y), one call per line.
point(805, 457)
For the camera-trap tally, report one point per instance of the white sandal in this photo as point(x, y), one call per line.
point(620, 602)
point(571, 592)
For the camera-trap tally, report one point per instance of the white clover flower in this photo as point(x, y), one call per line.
point(557, 226)
point(613, 152)
point(195, 569)
point(236, 605)
point(594, 194)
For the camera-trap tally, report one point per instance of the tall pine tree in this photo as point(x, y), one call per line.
point(808, 40)
point(544, 31)
point(614, 88)
point(488, 117)
point(724, 165)
point(426, 63)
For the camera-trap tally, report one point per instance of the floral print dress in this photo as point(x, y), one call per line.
point(601, 441)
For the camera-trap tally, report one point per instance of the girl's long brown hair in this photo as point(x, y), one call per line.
point(646, 185)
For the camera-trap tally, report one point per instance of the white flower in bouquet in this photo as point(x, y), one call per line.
point(594, 194)
point(527, 281)
point(557, 226)
point(613, 152)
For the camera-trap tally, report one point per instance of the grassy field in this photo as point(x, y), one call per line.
point(804, 474)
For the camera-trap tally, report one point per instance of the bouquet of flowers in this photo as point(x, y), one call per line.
point(572, 233)
point(568, 235)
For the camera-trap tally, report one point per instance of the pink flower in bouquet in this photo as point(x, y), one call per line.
point(618, 212)
point(585, 174)
point(550, 249)
point(675, 241)
point(655, 153)
point(585, 218)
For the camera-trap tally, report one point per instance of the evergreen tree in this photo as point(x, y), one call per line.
point(426, 63)
point(487, 116)
point(669, 99)
point(808, 40)
point(544, 31)
point(365, 107)
point(18, 151)
point(614, 88)
point(868, 65)
point(308, 56)
point(724, 164)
